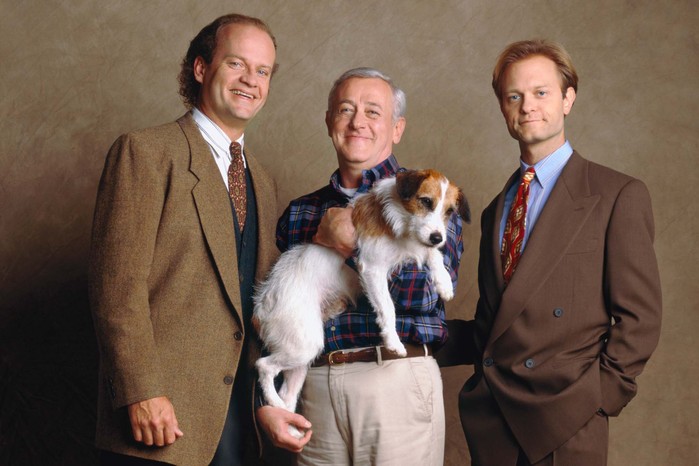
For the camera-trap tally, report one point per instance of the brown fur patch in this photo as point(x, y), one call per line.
point(429, 186)
point(367, 218)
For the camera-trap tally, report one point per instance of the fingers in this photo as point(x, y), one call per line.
point(276, 421)
point(299, 421)
point(153, 422)
point(336, 231)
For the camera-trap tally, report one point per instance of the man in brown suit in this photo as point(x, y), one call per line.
point(173, 263)
point(566, 320)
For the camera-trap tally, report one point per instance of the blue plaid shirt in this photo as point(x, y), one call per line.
point(420, 316)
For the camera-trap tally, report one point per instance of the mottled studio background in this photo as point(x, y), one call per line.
point(76, 74)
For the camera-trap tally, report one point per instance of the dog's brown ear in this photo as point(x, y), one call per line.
point(464, 209)
point(408, 182)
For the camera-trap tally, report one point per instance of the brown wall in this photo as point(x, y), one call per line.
point(74, 75)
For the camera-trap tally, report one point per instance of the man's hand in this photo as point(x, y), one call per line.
point(153, 422)
point(276, 421)
point(336, 231)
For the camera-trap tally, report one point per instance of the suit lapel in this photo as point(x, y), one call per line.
point(566, 211)
point(214, 209)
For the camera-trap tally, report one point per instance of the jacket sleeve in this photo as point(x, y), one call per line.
point(633, 295)
point(127, 214)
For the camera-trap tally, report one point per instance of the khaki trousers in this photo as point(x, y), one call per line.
point(371, 413)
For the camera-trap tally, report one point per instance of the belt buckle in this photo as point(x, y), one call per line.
point(330, 358)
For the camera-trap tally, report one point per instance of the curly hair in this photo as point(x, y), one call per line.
point(204, 46)
point(523, 49)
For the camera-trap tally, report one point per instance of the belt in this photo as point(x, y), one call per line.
point(373, 354)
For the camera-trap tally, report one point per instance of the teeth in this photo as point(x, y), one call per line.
point(242, 93)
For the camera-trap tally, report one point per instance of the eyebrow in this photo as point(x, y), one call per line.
point(233, 55)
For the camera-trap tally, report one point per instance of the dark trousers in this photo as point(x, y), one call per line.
point(588, 447)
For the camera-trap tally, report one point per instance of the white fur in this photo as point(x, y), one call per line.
point(310, 284)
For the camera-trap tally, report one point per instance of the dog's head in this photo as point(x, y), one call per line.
point(431, 199)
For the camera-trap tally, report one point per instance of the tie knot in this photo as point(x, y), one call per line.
point(528, 175)
point(235, 149)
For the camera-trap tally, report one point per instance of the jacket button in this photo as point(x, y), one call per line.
point(558, 312)
point(228, 380)
point(488, 362)
point(238, 335)
point(529, 363)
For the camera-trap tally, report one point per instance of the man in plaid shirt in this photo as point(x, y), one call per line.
point(373, 407)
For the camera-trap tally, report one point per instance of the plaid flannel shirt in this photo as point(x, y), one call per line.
point(420, 316)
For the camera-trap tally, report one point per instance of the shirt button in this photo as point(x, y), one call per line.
point(558, 312)
point(332, 329)
point(238, 335)
point(529, 363)
point(228, 380)
point(488, 362)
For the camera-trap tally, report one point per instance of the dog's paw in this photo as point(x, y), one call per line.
point(394, 345)
point(445, 292)
point(294, 432)
point(443, 285)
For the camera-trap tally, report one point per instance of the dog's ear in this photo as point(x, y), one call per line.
point(408, 182)
point(464, 209)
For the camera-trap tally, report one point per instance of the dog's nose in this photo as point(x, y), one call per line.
point(436, 238)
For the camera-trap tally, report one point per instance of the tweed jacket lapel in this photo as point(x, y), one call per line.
point(214, 209)
point(565, 213)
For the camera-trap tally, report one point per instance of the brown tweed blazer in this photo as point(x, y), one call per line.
point(546, 354)
point(164, 287)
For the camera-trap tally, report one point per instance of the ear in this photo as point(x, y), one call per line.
point(408, 182)
point(464, 209)
point(568, 100)
point(328, 123)
point(198, 68)
point(398, 129)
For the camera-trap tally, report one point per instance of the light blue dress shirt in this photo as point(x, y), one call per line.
point(547, 171)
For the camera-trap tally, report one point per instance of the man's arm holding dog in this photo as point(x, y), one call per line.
point(336, 231)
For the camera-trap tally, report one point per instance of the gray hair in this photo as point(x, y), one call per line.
point(399, 103)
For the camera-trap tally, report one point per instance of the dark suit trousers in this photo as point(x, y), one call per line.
point(588, 447)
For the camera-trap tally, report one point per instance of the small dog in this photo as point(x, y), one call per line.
point(401, 219)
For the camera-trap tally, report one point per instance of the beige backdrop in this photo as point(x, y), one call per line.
point(75, 74)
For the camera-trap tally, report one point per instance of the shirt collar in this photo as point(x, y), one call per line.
point(388, 167)
point(547, 168)
point(216, 138)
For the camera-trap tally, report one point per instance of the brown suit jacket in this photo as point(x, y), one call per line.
point(576, 324)
point(164, 287)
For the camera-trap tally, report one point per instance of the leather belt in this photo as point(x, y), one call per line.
point(339, 357)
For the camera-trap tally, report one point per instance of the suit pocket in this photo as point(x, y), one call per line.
point(583, 246)
point(581, 361)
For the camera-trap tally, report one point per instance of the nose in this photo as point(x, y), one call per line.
point(527, 104)
point(249, 77)
point(436, 238)
point(358, 120)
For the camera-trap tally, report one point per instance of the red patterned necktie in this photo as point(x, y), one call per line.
point(515, 227)
point(236, 184)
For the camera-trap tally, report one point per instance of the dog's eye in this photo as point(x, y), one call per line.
point(426, 201)
point(449, 211)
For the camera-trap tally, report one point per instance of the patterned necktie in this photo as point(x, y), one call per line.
point(236, 184)
point(515, 227)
